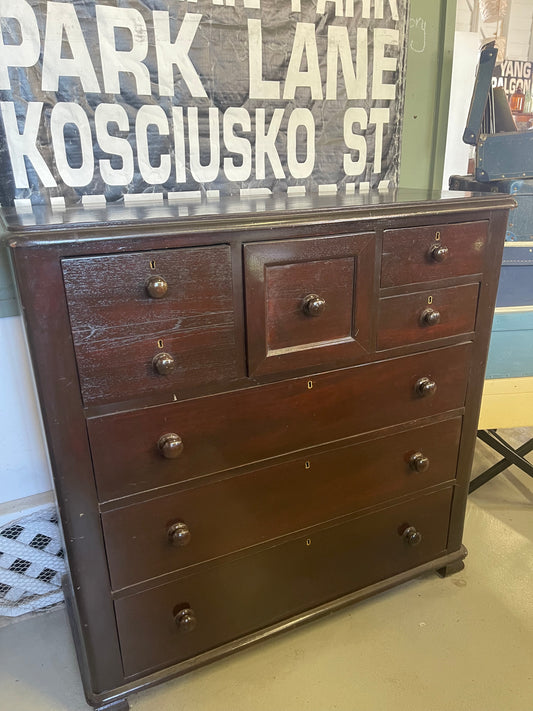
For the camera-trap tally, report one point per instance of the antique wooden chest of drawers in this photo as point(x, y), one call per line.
point(257, 412)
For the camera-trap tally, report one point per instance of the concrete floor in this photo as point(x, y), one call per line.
point(460, 644)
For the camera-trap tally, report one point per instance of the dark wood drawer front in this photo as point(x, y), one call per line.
point(236, 598)
point(236, 428)
point(308, 302)
point(419, 254)
point(118, 328)
point(427, 315)
point(166, 534)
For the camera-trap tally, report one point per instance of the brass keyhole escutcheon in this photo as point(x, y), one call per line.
point(437, 236)
point(160, 343)
point(309, 384)
point(430, 299)
point(307, 465)
point(308, 542)
point(152, 264)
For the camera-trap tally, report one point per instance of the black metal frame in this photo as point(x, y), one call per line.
point(509, 454)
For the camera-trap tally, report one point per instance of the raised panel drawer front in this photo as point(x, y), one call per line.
point(427, 315)
point(419, 254)
point(223, 431)
point(151, 321)
point(309, 302)
point(169, 533)
point(176, 621)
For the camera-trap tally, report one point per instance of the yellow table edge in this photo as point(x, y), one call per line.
point(506, 403)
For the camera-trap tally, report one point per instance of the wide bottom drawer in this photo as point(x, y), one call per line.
point(179, 620)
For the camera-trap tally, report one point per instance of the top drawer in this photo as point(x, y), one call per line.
point(420, 254)
point(309, 302)
point(156, 321)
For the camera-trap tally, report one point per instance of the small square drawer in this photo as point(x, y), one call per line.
point(151, 321)
point(176, 621)
point(426, 315)
point(309, 302)
point(183, 529)
point(419, 254)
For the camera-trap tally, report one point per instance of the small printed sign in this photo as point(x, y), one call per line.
point(511, 74)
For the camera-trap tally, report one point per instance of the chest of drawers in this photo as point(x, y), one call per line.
point(256, 413)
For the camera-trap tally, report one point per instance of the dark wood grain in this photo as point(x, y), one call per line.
point(407, 253)
point(492, 259)
point(258, 590)
point(118, 328)
point(232, 429)
point(278, 277)
point(288, 323)
point(274, 501)
point(400, 318)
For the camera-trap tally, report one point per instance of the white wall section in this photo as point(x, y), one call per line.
point(24, 468)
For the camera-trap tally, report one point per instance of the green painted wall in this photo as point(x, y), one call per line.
point(427, 92)
point(429, 67)
point(8, 304)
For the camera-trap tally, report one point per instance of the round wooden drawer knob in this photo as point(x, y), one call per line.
point(156, 287)
point(439, 252)
point(418, 462)
point(430, 317)
point(185, 620)
point(170, 445)
point(425, 387)
point(313, 305)
point(179, 534)
point(163, 363)
point(412, 536)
